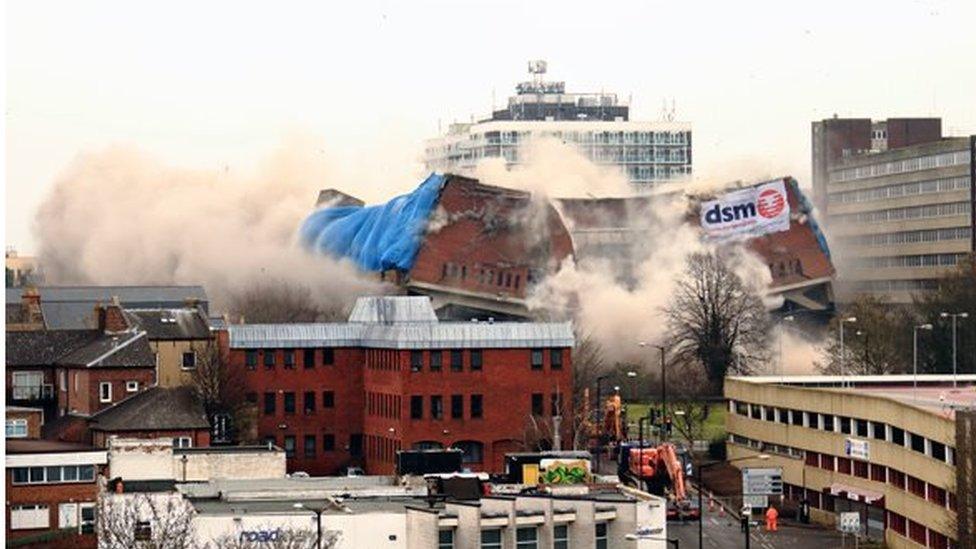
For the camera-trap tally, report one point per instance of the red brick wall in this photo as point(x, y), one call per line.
point(506, 383)
point(49, 494)
point(344, 378)
point(34, 421)
point(488, 245)
point(85, 400)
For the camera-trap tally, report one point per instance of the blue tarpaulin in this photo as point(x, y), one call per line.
point(377, 238)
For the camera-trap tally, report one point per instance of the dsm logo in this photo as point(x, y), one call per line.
point(769, 204)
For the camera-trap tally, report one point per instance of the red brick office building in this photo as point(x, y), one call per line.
point(394, 377)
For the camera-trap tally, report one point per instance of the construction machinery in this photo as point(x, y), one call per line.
point(660, 470)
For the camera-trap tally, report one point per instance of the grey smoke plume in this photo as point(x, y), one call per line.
point(119, 216)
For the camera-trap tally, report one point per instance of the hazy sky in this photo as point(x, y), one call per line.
point(217, 84)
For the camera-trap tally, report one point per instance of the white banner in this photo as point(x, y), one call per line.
point(753, 211)
point(857, 449)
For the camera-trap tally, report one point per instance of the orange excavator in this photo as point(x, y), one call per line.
point(662, 471)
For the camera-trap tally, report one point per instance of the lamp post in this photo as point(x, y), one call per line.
point(664, 391)
point(954, 317)
point(318, 520)
point(782, 329)
point(701, 467)
point(915, 357)
point(843, 354)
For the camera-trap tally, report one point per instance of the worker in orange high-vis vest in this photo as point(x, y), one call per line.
point(771, 516)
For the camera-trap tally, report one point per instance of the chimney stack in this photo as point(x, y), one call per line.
point(111, 318)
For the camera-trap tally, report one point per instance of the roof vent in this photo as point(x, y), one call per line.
point(491, 320)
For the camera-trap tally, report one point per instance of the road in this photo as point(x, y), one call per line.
point(722, 531)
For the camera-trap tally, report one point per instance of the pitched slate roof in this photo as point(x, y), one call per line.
point(128, 349)
point(78, 348)
point(70, 307)
point(45, 347)
point(172, 324)
point(154, 409)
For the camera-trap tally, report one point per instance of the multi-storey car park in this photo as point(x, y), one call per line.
point(877, 445)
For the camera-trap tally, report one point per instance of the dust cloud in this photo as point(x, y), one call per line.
point(120, 216)
point(619, 298)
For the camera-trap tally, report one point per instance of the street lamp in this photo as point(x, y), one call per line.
point(701, 467)
point(782, 330)
point(664, 391)
point(915, 357)
point(843, 354)
point(954, 317)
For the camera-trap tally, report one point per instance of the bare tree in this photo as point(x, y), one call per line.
point(715, 319)
point(689, 385)
point(222, 392)
point(143, 521)
point(280, 301)
point(588, 364)
point(878, 343)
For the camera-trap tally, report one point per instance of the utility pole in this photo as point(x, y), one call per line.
point(954, 367)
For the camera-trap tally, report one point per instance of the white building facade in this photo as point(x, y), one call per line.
point(598, 125)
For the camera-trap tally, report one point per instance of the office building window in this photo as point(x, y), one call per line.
point(601, 536)
point(536, 359)
point(328, 399)
point(898, 436)
point(527, 537)
point(472, 451)
point(477, 406)
point(251, 359)
point(556, 359)
point(416, 407)
point(189, 360)
point(560, 536)
point(309, 402)
point(16, 428)
point(918, 443)
point(289, 403)
point(290, 446)
point(308, 358)
point(436, 360)
point(445, 539)
point(537, 404)
point(491, 539)
point(269, 404)
point(26, 517)
point(457, 406)
point(457, 360)
point(862, 427)
point(437, 407)
point(269, 358)
point(289, 358)
point(416, 361)
point(328, 356)
point(845, 425)
point(476, 360)
point(309, 446)
point(938, 450)
point(328, 442)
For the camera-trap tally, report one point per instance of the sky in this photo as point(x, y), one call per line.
point(217, 85)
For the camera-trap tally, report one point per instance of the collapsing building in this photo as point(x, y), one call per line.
point(477, 250)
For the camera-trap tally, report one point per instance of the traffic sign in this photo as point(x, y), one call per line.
point(754, 502)
point(850, 523)
point(762, 481)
